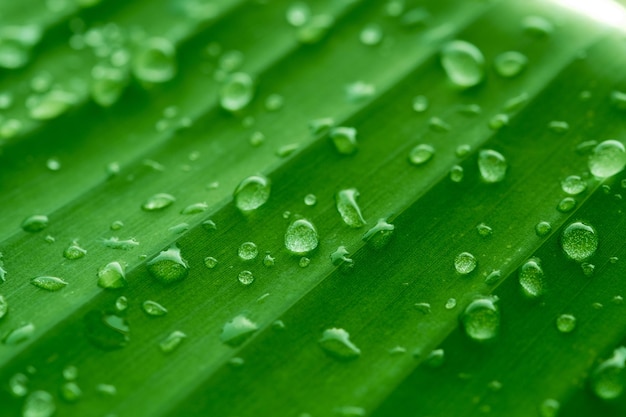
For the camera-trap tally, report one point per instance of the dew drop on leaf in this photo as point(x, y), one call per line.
point(566, 323)
point(371, 35)
point(493, 277)
point(498, 121)
point(245, 277)
point(464, 263)
point(74, 251)
point(301, 237)
point(510, 64)
point(579, 241)
point(172, 341)
point(543, 228)
point(531, 278)
point(112, 276)
point(52, 104)
point(336, 342)
point(298, 14)
point(463, 63)
point(421, 154)
point(566, 205)
point(344, 139)
point(484, 230)
point(608, 378)
point(39, 404)
point(236, 92)
point(315, 28)
point(106, 331)
point(152, 308)
point(558, 126)
point(457, 173)
point(155, 61)
point(380, 234)
point(4, 306)
point(19, 334)
point(435, 359)
point(236, 331)
point(481, 319)
point(549, 408)
point(607, 159)
point(158, 202)
point(310, 200)
point(573, 185)
point(16, 43)
point(168, 266)
point(107, 84)
point(49, 283)
point(450, 304)
point(71, 392)
point(537, 26)
point(18, 385)
point(420, 104)
point(247, 251)
point(268, 260)
point(492, 166)
point(35, 223)
point(348, 207)
point(252, 193)
point(195, 208)
point(70, 373)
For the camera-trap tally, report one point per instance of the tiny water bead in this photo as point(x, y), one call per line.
point(70, 373)
point(74, 251)
point(558, 126)
point(608, 378)
point(315, 29)
point(304, 262)
point(371, 35)
point(566, 205)
point(71, 392)
point(579, 241)
point(245, 277)
point(464, 263)
point(492, 166)
point(457, 173)
point(531, 278)
point(158, 202)
point(112, 276)
point(437, 124)
point(336, 342)
point(252, 193)
point(4, 306)
point(248, 251)
point(573, 185)
point(344, 139)
point(236, 331)
point(543, 228)
point(155, 61)
point(195, 208)
point(348, 207)
point(154, 309)
point(380, 234)
point(310, 200)
point(421, 154)
point(121, 303)
point(435, 359)
point(298, 13)
point(172, 341)
point(463, 63)
point(420, 104)
point(236, 92)
point(566, 323)
point(510, 64)
point(39, 404)
point(35, 223)
point(274, 102)
point(481, 319)
point(607, 159)
point(106, 330)
point(450, 304)
point(210, 262)
point(49, 283)
point(588, 269)
point(359, 91)
point(493, 277)
point(549, 408)
point(484, 230)
point(168, 266)
point(498, 121)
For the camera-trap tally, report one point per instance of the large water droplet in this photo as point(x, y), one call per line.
point(158, 202)
point(152, 308)
point(573, 185)
point(236, 92)
point(252, 193)
point(607, 159)
point(155, 62)
point(49, 283)
point(509, 64)
point(336, 342)
point(39, 404)
point(481, 319)
point(464, 263)
point(168, 266)
point(463, 62)
point(380, 234)
point(106, 331)
point(348, 208)
point(531, 278)
point(35, 223)
point(608, 379)
point(492, 166)
point(236, 331)
point(579, 241)
point(301, 237)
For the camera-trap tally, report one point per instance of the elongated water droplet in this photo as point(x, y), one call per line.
point(579, 241)
point(608, 378)
point(509, 64)
point(252, 193)
point(537, 26)
point(336, 342)
point(236, 331)
point(573, 185)
point(19, 334)
point(152, 308)
point(4, 306)
point(348, 208)
point(168, 266)
point(464, 263)
point(74, 251)
point(435, 359)
point(380, 234)
point(248, 251)
point(607, 159)
point(245, 277)
point(158, 202)
point(558, 126)
point(340, 258)
point(236, 92)
point(481, 319)
point(493, 277)
point(450, 303)
point(344, 139)
point(51, 105)
point(49, 283)
point(531, 278)
point(195, 208)
point(155, 62)
point(421, 154)
point(35, 223)
point(321, 126)
point(106, 330)
point(39, 404)
point(301, 237)
point(112, 276)
point(492, 166)
point(484, 230)
point(463, 63)
point(566, 323)
point(117, 243)
point(172, 341)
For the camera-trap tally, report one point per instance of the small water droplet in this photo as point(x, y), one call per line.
point(579, 241)
point(74, 251)
point(158, 202)
point(274, 102)
point(435, 359)
point(464, 263)
point(248, 251)
point(121, 303)
point(35, 223)
point(423, 308)
point(71, 392)
point(481, 319)
point(172, 341)
point(359, 91)
point(245, 277)
point(195, 208)
point(155, 61)
point(531, 278)
point(106, 330)
point(607, 159)
point(210, 262)
point(420, 104)
point(236, 92)
point(484, 230)
point(566, 205)
point(573, 185)
point(421, 154)
point(231, 61)
point(252, 193)
point(53, 164)
point(310, 200)
point(450, 304)
point(51, 105)
point(498, 121)
point(340, 258)
point(108, 83)
point(49, 283)
point(168, 266)
point(112, 276)
point(566, 323)
point(456, 173)
point(348, 207)
point(304, 262)
point(238, 330)
point(123, 244)
point(537, 26)
point(70, 373)
point(344, 139)
point(549, 408)
point(336, 342)
point(510, 64)
point(19, 334)
point(492, 166)
point(301, 237)
point(320, 127)
point(152, 308)
point(256, 138)
point(269, 260)
point(543, 228)
point(437, 124)
point(298, 14)
point(607, 379)
point(463, 63)
point(558, 126)
point(493, 277)
point(18, 385)
point(315, 28)
point(380, 234)
point(16, 43)
point(371, 35)
point(39, 404)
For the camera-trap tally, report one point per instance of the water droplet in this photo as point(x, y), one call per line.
point(359, 91)
point(155, 62)
point(315, 28)
point(484, 230)
point(344, 139)
point(274, 102)
point(566, 205)
point(371, 35)
point(10, 128)
point(607, 379)
point(123, 244)
point(450, 303)
point(252, 193)
point(53, 164)
point(210, 262)
point(304, 262)
point(172, 341)
point(463, 63)
point(152, 308)
point(607, 159)
point(4, 306)
point(573, 185)
point(245, 277)
point(298, 14)
point(121, 303)
point(566, 323)
point(108, 83)
point(320, 127)
point(464, 263)
point(481, 319)
point(35, 223)
point(18, 385)
point(19, 334)
point(558, 126)
point(158, 202)
point(16, 43)
point(39, 404)
point(238, 330)
point(543, 228)
point(74, 251)
point(112, 276)
point(301, 237)
point(310, 200)
point(70, 373)
point(51, 105)
point(579, 241)
point(179, 228)
point(350, 411)
point(421, 154)
point(195, 208)
point(379, 235)
point(509, 64)
point(168, 266)
point(236, 92)
point(438, 125)
point(492, 166)
point(268, 260)
point(456, 173)
point(336, 342)
point(420, 104)
point(549, 408)
point(231, 61)
point(348, 208)
point(248, 251)
point(423, 308)
point(498, 121)
point(49, 283)
point(340, 258)
point(537, 26)
point(531, 278)
point(106, 330)
point(435, 359)
point(493, 277)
